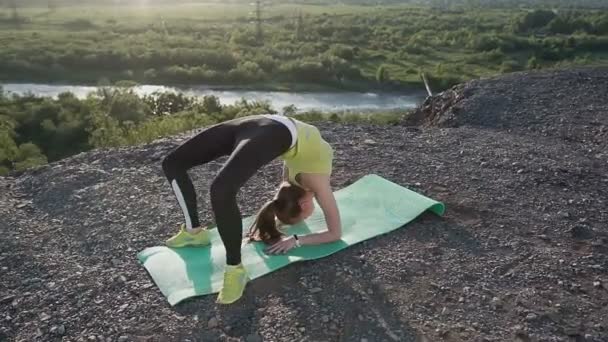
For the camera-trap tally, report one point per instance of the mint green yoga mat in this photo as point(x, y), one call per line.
point(369, 207)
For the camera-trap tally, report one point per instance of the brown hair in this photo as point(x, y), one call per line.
point(285, 206)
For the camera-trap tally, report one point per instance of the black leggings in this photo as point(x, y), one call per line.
point(251, 142)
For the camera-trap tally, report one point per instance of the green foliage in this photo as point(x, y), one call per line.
point(382, 75)
point(533, 63)
point(29, 155)
point(303, 45)
point(534, 19)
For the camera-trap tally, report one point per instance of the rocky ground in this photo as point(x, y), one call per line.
point(521, 254)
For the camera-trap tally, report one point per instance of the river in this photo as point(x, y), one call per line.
point(303, 101)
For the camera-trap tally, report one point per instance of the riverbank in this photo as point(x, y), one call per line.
point(107, 80)
point(342, 101)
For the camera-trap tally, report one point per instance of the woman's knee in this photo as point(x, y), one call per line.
point(171, 165)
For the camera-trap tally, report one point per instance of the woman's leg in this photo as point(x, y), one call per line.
point(255, 147)
point(208, 145)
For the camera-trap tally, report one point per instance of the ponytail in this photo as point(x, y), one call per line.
point(264, 228)
point(282, 209)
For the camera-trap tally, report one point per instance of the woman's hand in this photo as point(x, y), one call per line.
point(282, 246)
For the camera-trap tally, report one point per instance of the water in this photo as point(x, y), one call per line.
point(303, 101)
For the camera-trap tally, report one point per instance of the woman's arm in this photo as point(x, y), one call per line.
point(320, 185)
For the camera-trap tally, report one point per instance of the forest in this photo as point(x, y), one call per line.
point(292, 46)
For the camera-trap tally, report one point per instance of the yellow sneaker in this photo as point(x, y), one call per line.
point(185, 238)
point(235, 279)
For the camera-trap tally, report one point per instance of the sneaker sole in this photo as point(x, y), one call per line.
point(188, 244)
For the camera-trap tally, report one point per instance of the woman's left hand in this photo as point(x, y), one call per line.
point(281, 247)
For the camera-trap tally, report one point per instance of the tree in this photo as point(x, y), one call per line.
point(534, 20)
point(382, 75)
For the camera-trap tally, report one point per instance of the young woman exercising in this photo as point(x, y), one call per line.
point(252, 142)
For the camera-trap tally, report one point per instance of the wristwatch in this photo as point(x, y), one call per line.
point(298, 244)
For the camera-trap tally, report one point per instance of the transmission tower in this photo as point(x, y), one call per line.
point(259, 34)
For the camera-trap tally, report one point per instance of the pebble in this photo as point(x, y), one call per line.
point(7, 299)
point(531, 316)
point(315, 290)
point(123, 338)
point(496, 302)
point(57, 329)
point(597, 284)
point(213, 323)
point(325, 319)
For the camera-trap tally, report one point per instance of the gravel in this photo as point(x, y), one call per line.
point(520, 162)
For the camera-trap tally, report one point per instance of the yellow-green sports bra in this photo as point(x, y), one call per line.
point(310, 154)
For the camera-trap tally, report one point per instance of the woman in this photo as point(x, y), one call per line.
point(252, 142)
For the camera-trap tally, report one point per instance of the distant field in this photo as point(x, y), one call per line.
point(190, 13)
point(350, 47)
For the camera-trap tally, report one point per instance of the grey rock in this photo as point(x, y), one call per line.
point(496, 303)
point(531, 317)
point(581, 232)
point(57, 329)
point(253, 338)
point(7, 299)
point(315, 290)
point(213, 323)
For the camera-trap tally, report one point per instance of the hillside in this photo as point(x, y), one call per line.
point(522, 253)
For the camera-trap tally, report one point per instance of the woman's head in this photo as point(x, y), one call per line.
point(291, 204)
